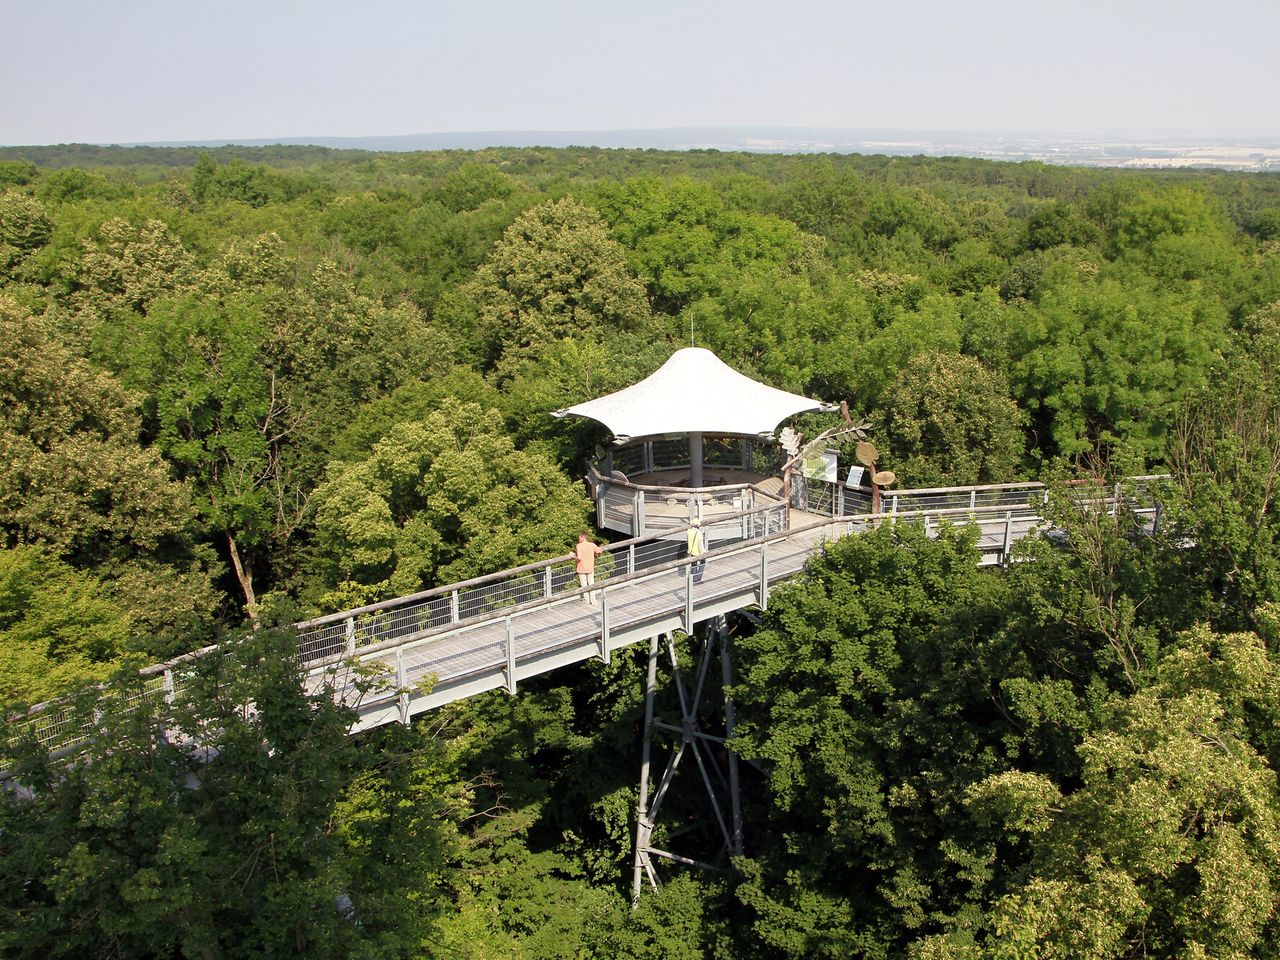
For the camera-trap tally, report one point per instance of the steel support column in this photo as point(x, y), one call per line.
point(644, 827)
point(691, 740)
point(735, 796)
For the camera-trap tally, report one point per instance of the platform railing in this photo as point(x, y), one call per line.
point(643, 509)
point(833, 499)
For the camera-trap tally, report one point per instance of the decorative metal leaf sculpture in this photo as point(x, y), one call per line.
point(790, 441)
point(867, 453)
point(884, 478)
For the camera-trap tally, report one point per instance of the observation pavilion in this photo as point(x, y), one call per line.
point(693, 439)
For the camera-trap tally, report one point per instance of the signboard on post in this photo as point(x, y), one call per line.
point(857, 477)
point(822, 467)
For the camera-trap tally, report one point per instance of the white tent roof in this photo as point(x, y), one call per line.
point(693, 391)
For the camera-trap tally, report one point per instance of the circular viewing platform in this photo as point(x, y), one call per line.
point(642, 488)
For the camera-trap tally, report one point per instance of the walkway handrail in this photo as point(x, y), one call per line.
point(488, 578)
point(826, 497)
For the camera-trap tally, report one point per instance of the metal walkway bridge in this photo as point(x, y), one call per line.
point(492, 632)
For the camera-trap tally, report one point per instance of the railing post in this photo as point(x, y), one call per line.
point(604, 626)
point(455, 613)
point(1008, 536)
point(402, 681)
point(168, 685)
point(764, 576)
point(631, 559)
point(546, 581)
point(350, 630)
point(973, 499)
point(926, 526)
point(839, 497)
point(893, 506)
point(637, 514)
point(688, 596)
point(511, 657)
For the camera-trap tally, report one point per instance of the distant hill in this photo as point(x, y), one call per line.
point(753, 139)
point(1102, 149)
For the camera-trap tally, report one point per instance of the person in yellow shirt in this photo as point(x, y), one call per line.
point(697, 546)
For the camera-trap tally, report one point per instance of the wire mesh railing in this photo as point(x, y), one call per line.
point(672, 456)
point(668, 454)
point(639, 510)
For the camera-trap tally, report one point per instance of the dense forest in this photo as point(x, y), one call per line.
point(246, 386)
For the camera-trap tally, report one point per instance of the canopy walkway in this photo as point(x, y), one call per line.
point(456, 641)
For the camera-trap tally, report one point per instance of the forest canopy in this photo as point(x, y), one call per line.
point(241, 387)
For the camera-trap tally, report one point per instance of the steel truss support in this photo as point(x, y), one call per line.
point(720, 785)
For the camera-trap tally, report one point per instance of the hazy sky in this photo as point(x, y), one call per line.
point(137, 70)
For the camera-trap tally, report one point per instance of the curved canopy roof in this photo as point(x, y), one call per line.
point(694, 391)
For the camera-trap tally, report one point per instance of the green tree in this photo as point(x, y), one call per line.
point(16, 173)
point(865, 698)
point(24, 227)
point(1055, 224)
point(1177, 235)
point(750, 286)
point(72, 472)
point(1170, 844)
point(443, 499)
point(221, 419)
point(1107, 364)
point(250, 375)
point(58, 627)
point(555, 273)
point(124, 270)
point(73, 184)
point(474, 184)
point(947, 420)
point(1224, 454)
point(200, 828)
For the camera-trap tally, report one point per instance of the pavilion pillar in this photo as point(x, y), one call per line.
point(695, 459)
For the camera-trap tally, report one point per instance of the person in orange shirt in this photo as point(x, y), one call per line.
point(586, 553)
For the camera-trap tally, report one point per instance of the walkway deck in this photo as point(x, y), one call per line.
point(455, 661)
point(508, 647)
point(492, 632)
